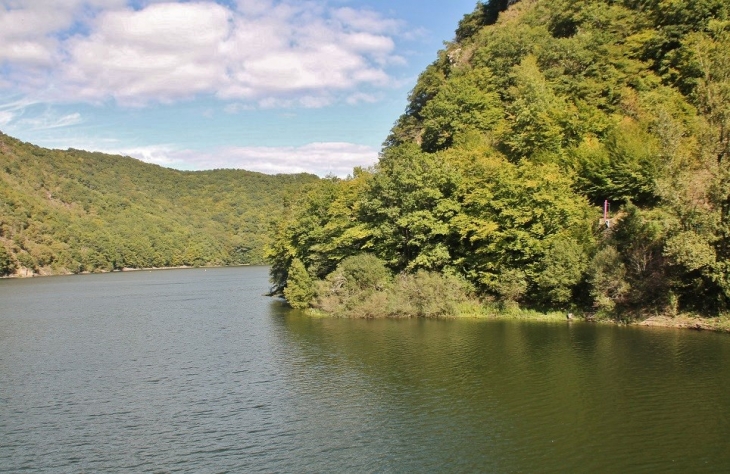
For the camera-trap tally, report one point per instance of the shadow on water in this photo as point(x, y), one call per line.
point(522, 396)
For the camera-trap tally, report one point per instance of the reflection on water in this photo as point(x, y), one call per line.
point(510, 396)
point(196, 371)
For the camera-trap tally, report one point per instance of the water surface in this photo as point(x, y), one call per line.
point(196, 371)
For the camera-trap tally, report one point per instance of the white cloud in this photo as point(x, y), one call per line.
point(161, 154)
point(320, 158)
point(164, 52)
point(24, 35)
point(156, 154)
point(254, 7)
point(28, 28)
point(362, 97)
point(336, 158)
point(289, 51)
point(366, 20)
point(307, 102)
point(265, 52)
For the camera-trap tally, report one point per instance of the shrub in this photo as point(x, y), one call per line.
point(607, 276)
point(299, 290)
point(7, 265)
point(362, 287)
point(429, 295)
point(560, 271)
point(344, 291)
point(364, 272)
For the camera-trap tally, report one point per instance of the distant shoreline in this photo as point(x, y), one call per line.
point(26, 273)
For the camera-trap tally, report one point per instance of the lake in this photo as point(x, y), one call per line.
point(196, 371)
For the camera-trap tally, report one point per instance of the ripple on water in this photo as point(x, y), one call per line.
point(178, 371)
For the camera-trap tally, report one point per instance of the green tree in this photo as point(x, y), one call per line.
point(299, 290)
point(517, 222)
point(626, 166)
point(607, 278)
point(466, 102)
point(537, 116)
point(407, 206)
point(6, 261)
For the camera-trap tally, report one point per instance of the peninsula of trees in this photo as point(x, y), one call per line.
point(491, 186)
point(74, 211)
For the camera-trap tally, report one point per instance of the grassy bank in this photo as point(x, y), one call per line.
point(681, 321)
point(475, 311)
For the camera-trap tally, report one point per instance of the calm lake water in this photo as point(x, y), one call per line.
point(196, 371)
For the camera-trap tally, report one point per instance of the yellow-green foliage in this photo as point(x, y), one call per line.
point(362, 287)
point(299, 289)
point(72, 211)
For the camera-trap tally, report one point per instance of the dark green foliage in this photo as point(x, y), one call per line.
point(355, 288)
point(560, 271)
point(624, 167)
point(640, 236)
point(607, 278)
point(406, 208)
point(514, 217)
point(320, 229)
point(674, 22)
point(486, 13)
point(535, 113)
point(539, 120)
point(75, 211)
point(363, 272)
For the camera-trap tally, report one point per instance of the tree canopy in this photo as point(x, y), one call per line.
point(537, 113)
point(75, 211)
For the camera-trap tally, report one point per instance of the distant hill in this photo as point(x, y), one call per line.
point(513, 139)
point(75, 211)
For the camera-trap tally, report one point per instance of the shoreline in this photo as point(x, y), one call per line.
point(24, 273)
point(681, 321)
point(720, 324)
point(684, 321)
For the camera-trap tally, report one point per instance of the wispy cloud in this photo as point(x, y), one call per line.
point(30, 115)
point(48, 121)
point(16, 104)
point(5, 117)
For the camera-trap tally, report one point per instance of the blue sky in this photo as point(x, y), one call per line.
point(275, 86)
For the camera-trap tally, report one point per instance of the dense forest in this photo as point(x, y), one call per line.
point(75, 211)
point(490, 188)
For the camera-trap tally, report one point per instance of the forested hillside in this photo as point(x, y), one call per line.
point(491, 185)
point(75, 211)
